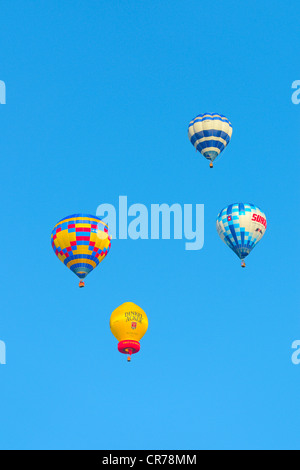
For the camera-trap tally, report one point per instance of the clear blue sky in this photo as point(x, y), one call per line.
point(99, 97)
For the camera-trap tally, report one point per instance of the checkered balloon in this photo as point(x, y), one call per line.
point(241, 227)
point(81, 242)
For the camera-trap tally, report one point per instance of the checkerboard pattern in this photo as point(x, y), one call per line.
point(241, 227)
point(81, 242)
point(210, 134)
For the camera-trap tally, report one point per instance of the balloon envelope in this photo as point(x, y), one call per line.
point(81, 242)
point(241, 227)
point(210, 134)
point(129, 323)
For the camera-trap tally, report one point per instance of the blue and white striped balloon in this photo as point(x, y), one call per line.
point(210, 134)
point(241, 227)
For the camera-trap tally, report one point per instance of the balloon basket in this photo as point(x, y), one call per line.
point(81, 284)
point(243, 264)
point(211, 165)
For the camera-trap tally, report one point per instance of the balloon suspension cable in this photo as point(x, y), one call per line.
point(81, 284)
point(243, 264)
point(130, 351)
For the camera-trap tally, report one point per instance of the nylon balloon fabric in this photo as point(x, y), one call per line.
point(210, 134)
point(81, 242)
point(241, 227)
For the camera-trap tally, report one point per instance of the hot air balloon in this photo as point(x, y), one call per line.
point(210, 134)
point(81, 242)
point(129, 323)
point(241, 227)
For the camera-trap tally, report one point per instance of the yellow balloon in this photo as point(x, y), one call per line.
point(129, 323)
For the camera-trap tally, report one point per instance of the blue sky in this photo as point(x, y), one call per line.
point(99, 97)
